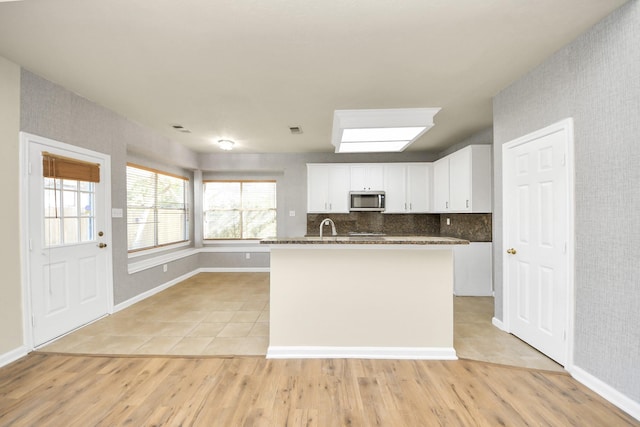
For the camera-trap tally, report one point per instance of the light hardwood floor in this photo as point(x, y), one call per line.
point(228, 314)
point(75, 390)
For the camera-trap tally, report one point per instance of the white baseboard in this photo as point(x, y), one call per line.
point(498, 324)
point(13, 355)
point(234, 270)
point(326, 352)
point(153, 291)
point(606, 391)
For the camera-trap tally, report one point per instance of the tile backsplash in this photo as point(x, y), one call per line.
point(472, 227)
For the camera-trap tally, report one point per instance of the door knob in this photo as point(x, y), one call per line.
point(511, 251)
point(102, 245)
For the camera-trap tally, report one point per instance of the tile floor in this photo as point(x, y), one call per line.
point(207, 314)
point(475, 337)
point(226, 314)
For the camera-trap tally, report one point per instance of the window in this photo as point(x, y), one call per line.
point(69, 199)
point(239, 209)
point(156, 208)
point(69, 215)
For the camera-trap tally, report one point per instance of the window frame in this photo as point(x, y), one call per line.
point(157, 246)
point(241, 182)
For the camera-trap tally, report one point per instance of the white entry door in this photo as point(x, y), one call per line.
point(68, 241)
point(537, 237)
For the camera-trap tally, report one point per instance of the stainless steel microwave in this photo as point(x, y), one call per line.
point(366, 201)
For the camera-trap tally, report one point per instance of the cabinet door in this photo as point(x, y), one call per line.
point(367, 177)
point(375, 178)
point(472, 269)
point(460, 180)
point(441, 185)
point(418, 188)
point(317, 188)
point(395, 188)
point(338, 183)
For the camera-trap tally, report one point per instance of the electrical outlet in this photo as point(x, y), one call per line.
point(247, 255)
point(164, 268)
point(292, 213)
point(448, 221)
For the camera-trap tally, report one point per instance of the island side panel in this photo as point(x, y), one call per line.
point(388, 297)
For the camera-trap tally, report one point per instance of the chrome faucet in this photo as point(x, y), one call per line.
point(333, 226)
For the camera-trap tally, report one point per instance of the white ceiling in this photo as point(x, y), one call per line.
point(246, 70)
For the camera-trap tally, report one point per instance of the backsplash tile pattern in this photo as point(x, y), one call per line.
point(472, 227)
point(375, 222)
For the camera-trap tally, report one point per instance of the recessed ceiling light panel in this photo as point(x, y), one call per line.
point(375, 131)
point(373, 147)
point(381, 134)
point(226, 144)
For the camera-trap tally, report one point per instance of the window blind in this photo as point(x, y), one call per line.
point(156, 208)
point(54, 166)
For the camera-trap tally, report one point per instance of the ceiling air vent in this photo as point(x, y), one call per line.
point(181, 128)
point(295, 130)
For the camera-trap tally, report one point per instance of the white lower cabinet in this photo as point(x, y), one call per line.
point(472, 270)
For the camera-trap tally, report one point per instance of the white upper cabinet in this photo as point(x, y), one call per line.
point(395, 188)
point(462, 181)
point(328, 188)
point(419, 187)
point(367, 177)
point(441, 185)
point(460, 191)
point(407, 187)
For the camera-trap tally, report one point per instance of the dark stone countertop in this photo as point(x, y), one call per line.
point(365, 240)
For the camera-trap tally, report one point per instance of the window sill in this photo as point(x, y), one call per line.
point(249, 246)
point(152, 251)
point(146, 264)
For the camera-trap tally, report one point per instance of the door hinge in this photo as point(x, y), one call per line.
point(564, 249)
point(30, 244)
point(33, 320)
point(563, 161)
point(29, 168)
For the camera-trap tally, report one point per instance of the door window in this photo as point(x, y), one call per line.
point(69, 212)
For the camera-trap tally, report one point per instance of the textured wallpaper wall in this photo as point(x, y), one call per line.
point(53, 112)
point(594, 80)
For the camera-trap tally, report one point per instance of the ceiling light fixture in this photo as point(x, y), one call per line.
point(226, 144)
point(377, 131)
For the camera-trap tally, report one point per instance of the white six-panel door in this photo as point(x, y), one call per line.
point(69, 255)
point(537, 208)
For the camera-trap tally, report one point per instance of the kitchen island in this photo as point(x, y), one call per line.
point(364, 297)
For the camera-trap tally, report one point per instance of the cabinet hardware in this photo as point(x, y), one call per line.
point(511, 251)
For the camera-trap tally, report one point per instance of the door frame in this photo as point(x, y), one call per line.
point(565, 125)
point(25, 227)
